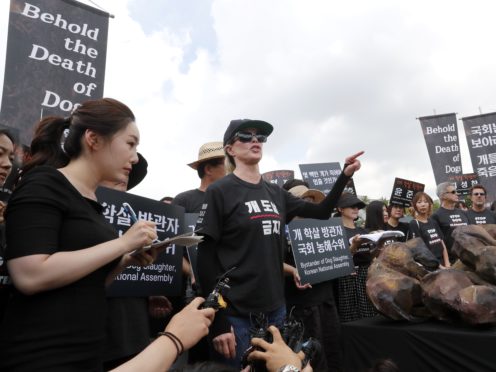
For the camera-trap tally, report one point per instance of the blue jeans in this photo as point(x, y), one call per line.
point(242, 325)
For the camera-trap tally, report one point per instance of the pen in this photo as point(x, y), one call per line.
point(130, 211)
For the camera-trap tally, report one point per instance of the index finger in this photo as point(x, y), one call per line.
point(353, 157)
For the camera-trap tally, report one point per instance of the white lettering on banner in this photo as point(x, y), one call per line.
point(453, 169)
point(445, 149)
point(52, 99)
point(440, 129)
point(34, 12)
point(40, 53)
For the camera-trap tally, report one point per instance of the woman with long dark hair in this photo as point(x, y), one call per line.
point(60, 248)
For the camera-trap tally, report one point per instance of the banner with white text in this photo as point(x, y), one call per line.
point(56, 53)
point(481, 138)
point(164, 275)
point(441, 138)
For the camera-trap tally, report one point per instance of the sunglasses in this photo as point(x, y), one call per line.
point(451, 192)
point(479, 194)
point(246, 137)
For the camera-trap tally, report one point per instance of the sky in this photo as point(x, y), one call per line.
point(333, 77)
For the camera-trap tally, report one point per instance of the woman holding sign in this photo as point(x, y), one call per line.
point(60, 248)
point(243, 221)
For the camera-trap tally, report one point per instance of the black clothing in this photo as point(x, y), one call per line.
point(480, 218)
point(191, 200)
point(61, 329)
point(127, 329)
point(431, 235)
point(242, 225)
point(403, 227)
point(353, 303)
point(448, 219)
point(316, 308)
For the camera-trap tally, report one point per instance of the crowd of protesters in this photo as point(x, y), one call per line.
point(61, 252)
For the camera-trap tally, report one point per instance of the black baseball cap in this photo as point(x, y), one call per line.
point(239, 124)
point(138, 172)
point(348, 200)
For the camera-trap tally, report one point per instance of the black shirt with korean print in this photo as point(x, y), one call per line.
point(243, 224)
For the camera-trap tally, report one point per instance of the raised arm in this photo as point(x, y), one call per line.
point(324, 209)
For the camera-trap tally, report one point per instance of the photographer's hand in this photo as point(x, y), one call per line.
point(275, 354)
point(225, 344)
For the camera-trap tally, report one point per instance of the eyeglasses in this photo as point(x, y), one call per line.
point(451, 192)
point(246, 137)
point(479, 194)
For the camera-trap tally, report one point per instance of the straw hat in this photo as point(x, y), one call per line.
point(209, 150)
point(302, 191)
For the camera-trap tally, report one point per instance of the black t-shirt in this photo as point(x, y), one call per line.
point(402, 226)
point(244, 224)
point(247, 223)
point(191, 200)
point(480, 218)
point(362, 256)
point(448, 220)
point(60, 329)
point(431, 235)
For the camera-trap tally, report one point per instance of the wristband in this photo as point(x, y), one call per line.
point(175, 340)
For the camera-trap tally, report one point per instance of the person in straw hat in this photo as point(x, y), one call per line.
point(210, 168)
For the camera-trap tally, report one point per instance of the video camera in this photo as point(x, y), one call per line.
point(292, 332)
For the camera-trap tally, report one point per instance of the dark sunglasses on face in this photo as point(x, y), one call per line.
point(246, 137)
point(451, 192)
point(479, 194)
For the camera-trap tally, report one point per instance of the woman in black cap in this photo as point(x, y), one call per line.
point(353, 303)
point(243, 221)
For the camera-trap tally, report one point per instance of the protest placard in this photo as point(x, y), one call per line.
point(480, 131)
point(278, 177)
point(163, 277)
point(320, 249)
point(404, 191)
point(441, 139)
point(56, 54)
point(464, 182)
point(323, 176)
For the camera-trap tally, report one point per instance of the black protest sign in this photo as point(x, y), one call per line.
point(481, 137)
point(441, 138)
point(163, 277)
point(403, 192)
point(56, 53)
point(278, 177)
point(320, 249)
point(464, 182)
point(190, 223)
point(323, 176)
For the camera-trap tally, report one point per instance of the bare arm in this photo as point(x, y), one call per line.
point(189, 326)
point(40, 272)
